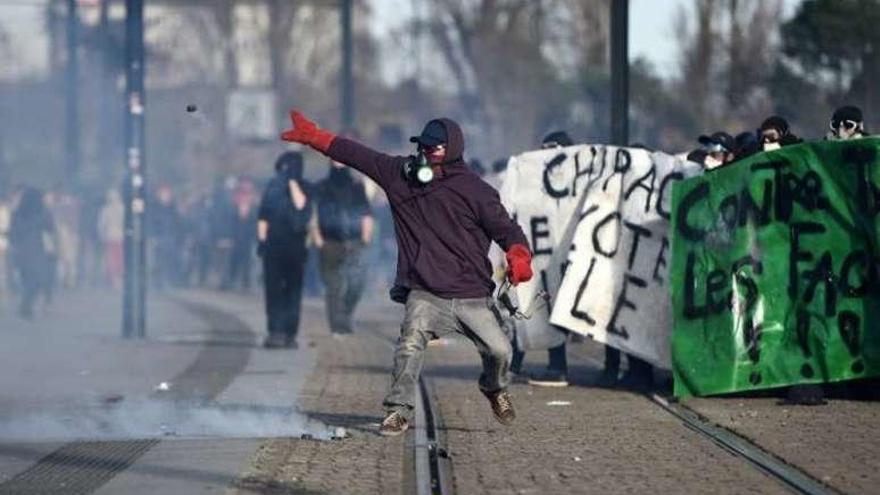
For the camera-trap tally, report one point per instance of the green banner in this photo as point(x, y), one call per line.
point(774, 270)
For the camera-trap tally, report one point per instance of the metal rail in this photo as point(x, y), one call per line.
point(432, 464)
point(432, 460)
point(790, 476)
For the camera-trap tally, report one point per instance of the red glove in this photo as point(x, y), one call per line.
point(519, 264)
point(306, 132)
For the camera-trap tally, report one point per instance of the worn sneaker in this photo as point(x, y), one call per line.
point(274, 341)
point(549, 378)
point(394, 424)
point(502, 407)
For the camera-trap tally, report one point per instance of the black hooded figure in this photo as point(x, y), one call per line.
point(32, 238)
point(343, 229)
point(282, 228)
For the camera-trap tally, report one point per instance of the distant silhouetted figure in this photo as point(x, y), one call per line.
point(32, 239)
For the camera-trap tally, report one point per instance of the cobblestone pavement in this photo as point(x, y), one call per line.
point(837, 443)
point(344, 390)
point(575, 440)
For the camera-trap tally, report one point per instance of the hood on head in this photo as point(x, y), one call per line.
point(454, 138)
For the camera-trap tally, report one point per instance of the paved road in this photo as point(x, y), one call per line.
point(232, 418)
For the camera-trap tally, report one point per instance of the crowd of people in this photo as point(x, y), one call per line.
point(51, 239)
point(721, 148)
point(61, 239)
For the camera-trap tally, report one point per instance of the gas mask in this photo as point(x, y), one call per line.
point(417, 169)
point(846, 129)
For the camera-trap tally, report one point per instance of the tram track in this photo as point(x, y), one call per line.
point(792, 477)
point(431, 463)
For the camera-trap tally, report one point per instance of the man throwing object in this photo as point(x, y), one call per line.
point(445, 218)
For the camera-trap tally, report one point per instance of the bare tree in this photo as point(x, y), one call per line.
point(727, 54)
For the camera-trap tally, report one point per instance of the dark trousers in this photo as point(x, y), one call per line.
point(344, 274)
point(557, 360)
point(238, 274)
point(282, 279)
point(33, 277)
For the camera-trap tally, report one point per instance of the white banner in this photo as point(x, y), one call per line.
point(597, 221)
point(541, 189)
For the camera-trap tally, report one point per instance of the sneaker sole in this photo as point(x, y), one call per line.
point(387, 433)
point(505, 422)
point(541, 383)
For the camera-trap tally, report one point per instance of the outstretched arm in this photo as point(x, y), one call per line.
point(378, 166)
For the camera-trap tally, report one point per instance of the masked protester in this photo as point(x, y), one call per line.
point(847, 123)
point(282, 227)
point(719, 148)
point(445, 218)
point(343, 229)
point(745, 144)
point(775, 133)
point(32, 236)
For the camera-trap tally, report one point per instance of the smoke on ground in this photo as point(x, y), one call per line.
point(161, 419)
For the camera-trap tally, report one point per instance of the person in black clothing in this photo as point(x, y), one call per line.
point(238, 272)
point(847, 123)
point(166, 235)
point(282, 227)
point(775, 133)
point(344, 227)
point(31, 236)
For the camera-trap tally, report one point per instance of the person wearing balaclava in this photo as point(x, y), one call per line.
point(847, 123)
point(719, 148)
point(343, 229)
point(282, 227)
point(775, 133)
point(445, 218)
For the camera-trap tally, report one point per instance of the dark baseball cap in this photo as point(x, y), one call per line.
point(718, 139)
point(433, 134)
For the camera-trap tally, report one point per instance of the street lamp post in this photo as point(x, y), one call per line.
point(620, 72)
point(71, 113)
point(347, 86)
point(134, 293)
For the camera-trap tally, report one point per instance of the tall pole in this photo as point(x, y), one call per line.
point(347, 86)
point(134, 294)
point(71, 113)
point(620, 72)
point(106, 103)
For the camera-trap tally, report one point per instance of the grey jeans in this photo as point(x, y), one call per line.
point(429, 316)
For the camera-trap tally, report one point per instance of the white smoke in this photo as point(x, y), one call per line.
point(161, 419)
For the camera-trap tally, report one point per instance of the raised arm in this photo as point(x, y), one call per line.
point(378, 166)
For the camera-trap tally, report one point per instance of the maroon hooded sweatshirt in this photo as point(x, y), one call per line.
point(444, 228)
